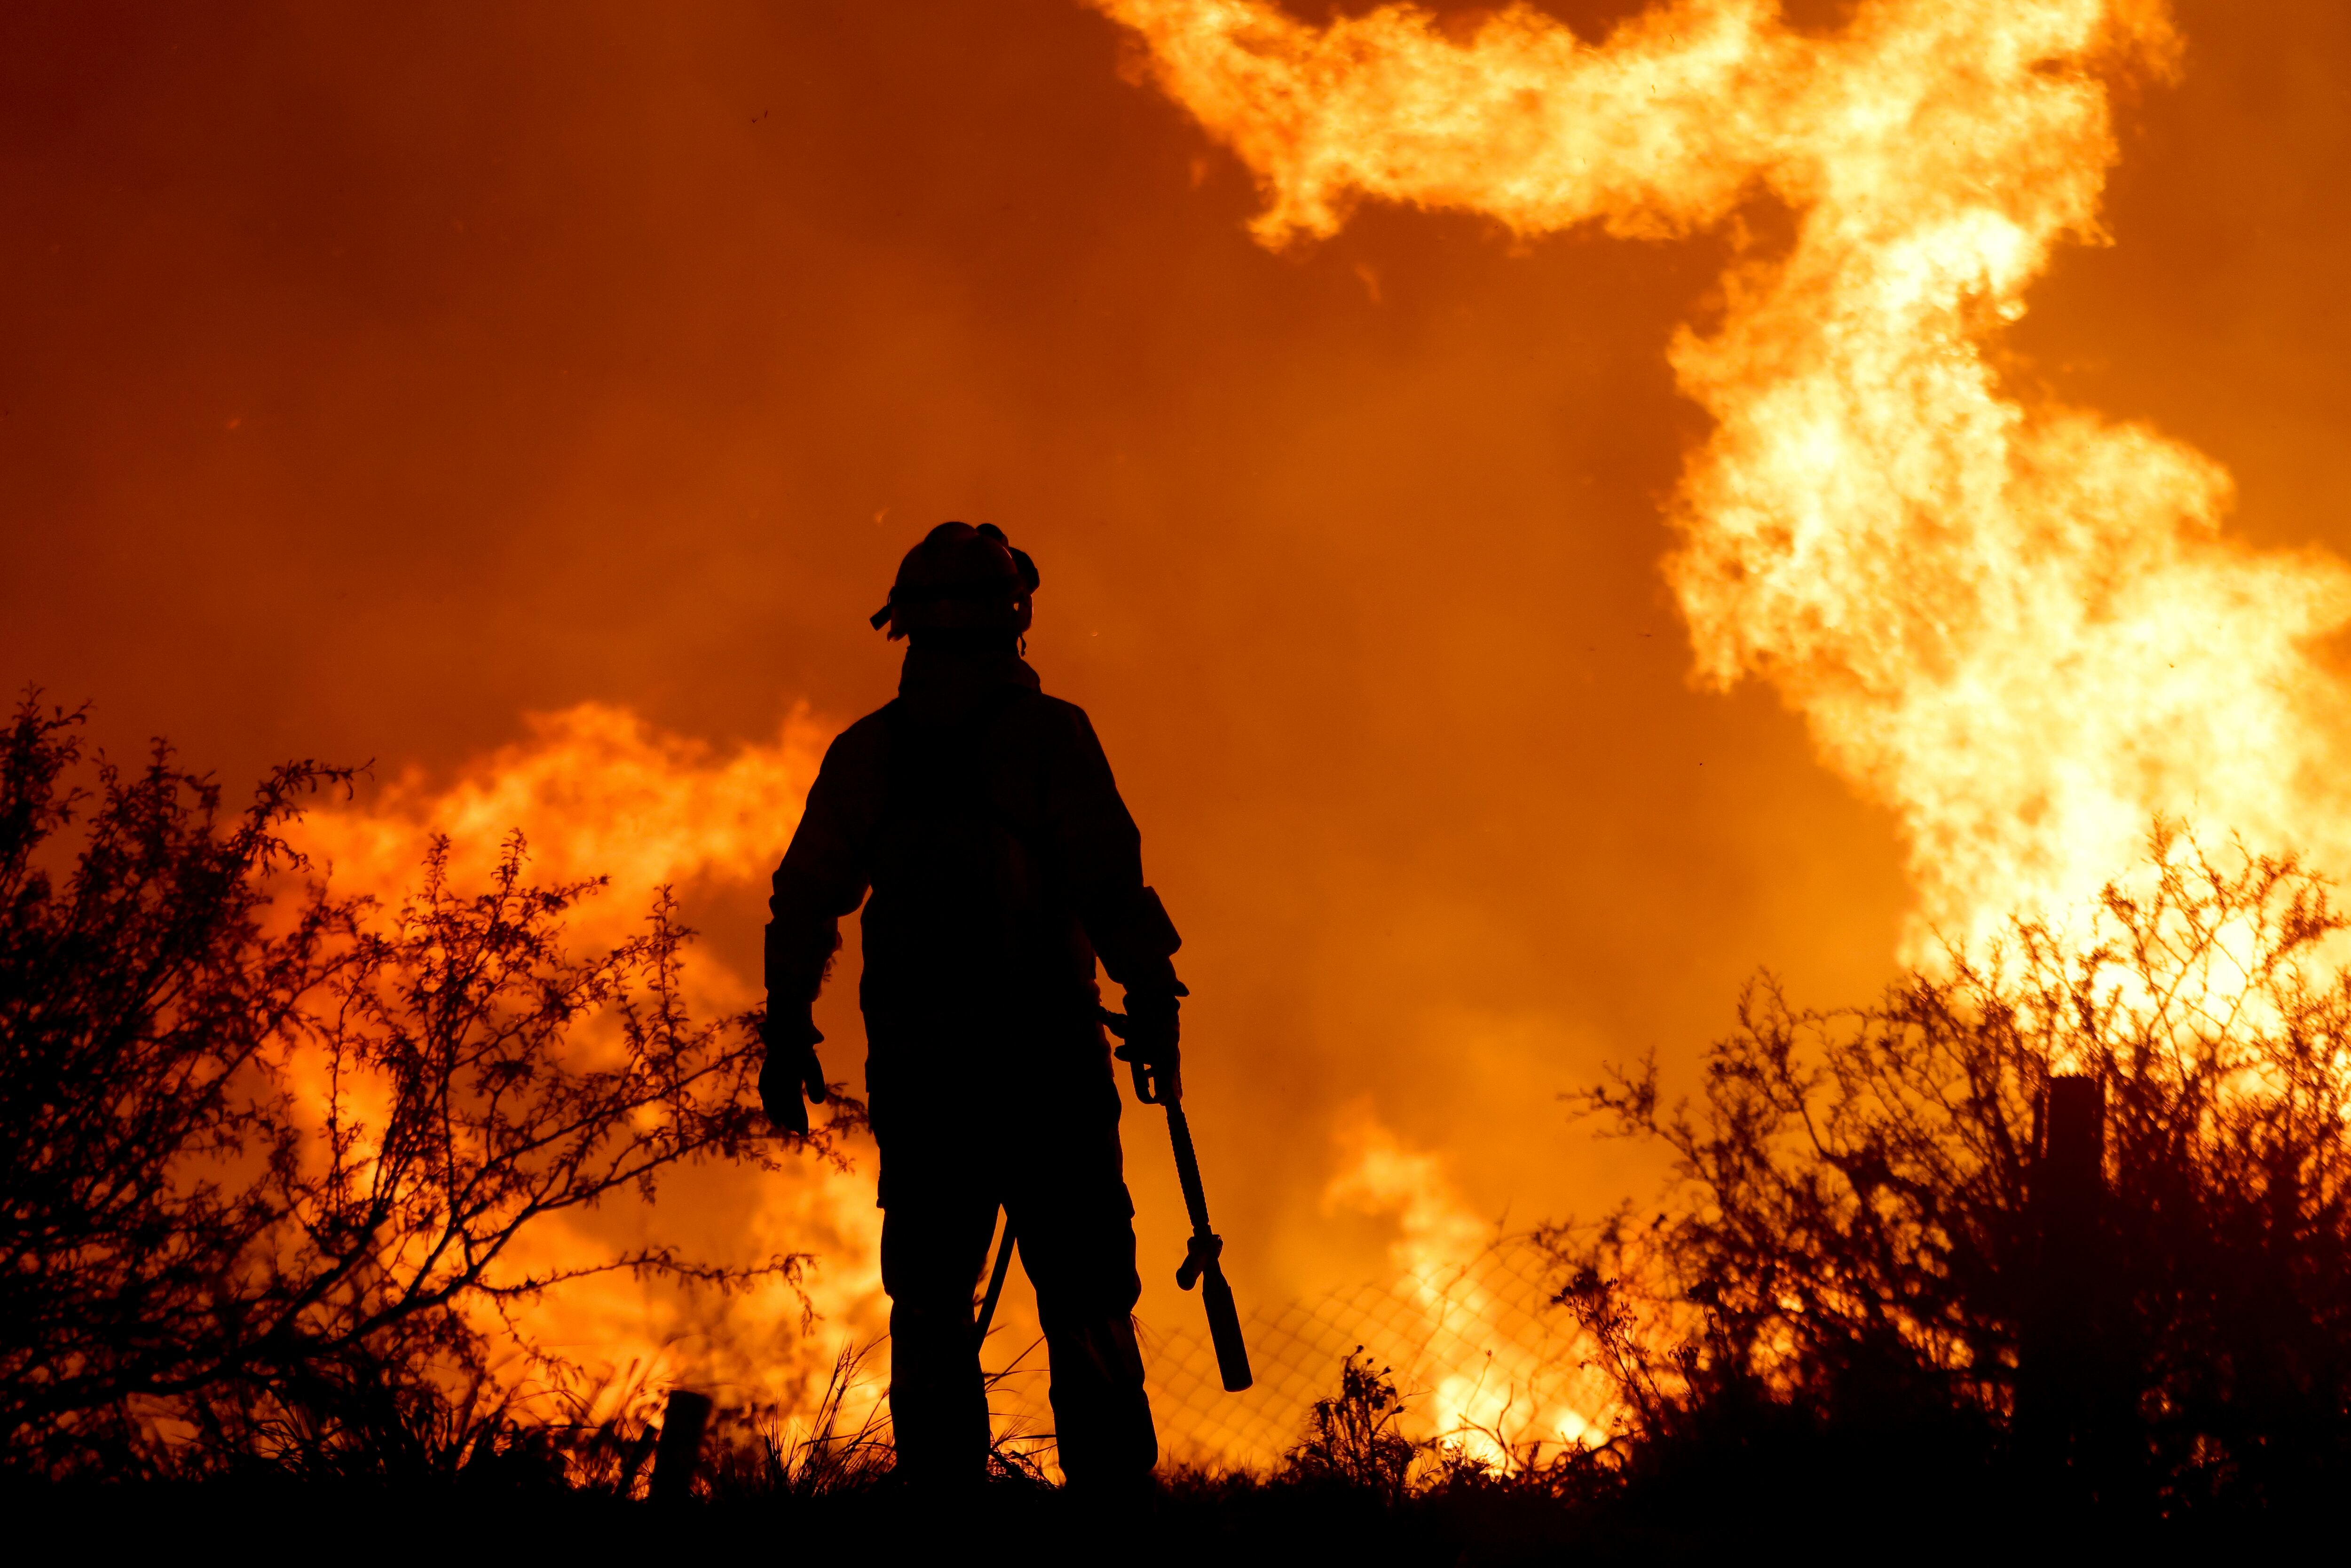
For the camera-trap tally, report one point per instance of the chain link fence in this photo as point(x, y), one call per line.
point(1477, 1350)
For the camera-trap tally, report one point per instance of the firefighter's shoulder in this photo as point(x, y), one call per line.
point(859, 747)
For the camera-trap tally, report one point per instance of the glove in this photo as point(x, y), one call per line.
point(1151, 1032)
point(791, 1070)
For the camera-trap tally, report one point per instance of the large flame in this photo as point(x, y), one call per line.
point(597, 791)
point(2017, 625)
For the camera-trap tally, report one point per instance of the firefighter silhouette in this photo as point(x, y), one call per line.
point(977, 821)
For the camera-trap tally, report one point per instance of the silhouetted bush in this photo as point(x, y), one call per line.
point(1852, 1256)
point(265, 1152)
point(1352, 1439)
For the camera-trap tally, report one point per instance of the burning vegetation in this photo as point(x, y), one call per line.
point(275, 1156)
point(2072, 1205)
point(279, 1158)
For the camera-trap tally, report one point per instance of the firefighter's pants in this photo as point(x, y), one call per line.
point(1060, 1177)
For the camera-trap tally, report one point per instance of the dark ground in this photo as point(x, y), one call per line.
point(1196, 1521)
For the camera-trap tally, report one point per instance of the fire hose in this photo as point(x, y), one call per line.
point(1203, 1256)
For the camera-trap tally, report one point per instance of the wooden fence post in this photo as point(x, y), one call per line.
point(683, 1420)
point(2062, 1384)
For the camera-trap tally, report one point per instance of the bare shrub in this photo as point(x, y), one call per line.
point(1851, 1238)
point(1352, 1438)
point(262, 1170)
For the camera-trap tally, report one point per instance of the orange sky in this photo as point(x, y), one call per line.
point(369, 384)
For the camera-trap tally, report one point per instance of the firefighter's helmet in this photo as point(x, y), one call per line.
point(961, 578)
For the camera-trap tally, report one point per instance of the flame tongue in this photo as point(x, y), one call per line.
point(2018, 629)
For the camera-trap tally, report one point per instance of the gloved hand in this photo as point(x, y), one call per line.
point(1151, 1032)
point(791, 1070)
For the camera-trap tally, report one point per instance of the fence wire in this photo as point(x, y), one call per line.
point(1480, 1353)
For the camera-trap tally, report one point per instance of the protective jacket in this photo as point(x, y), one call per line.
point(982, 817)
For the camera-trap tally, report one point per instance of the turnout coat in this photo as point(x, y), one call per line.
point(977, 821)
